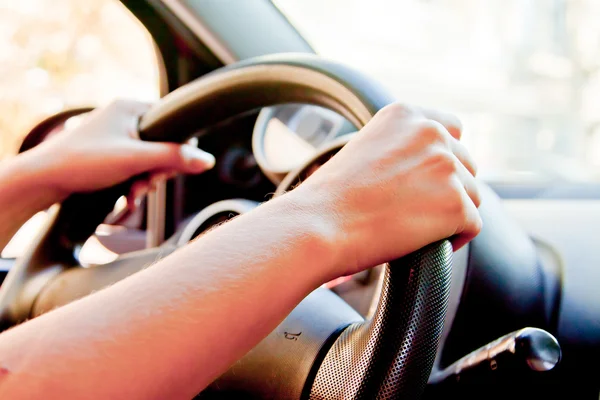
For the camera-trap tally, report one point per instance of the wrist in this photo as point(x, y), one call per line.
point(311, 218)
point(33, 173)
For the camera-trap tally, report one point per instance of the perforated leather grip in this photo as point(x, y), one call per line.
point(391, 356)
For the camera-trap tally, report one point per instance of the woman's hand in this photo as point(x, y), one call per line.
point(105, 150)
point(403, 182)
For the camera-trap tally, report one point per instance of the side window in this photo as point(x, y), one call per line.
point(61, 54)
point(524, 76)
point(58, 55)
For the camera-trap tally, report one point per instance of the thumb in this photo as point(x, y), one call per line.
point(182, 158)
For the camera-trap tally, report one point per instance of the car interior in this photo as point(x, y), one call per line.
point(514, 314)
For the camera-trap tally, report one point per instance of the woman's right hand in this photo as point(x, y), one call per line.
point(404, 181)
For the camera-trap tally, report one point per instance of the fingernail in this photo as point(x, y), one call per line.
point(197, 159)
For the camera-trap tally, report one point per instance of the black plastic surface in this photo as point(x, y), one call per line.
point(505, 287)
point(528, 349)
point(279, 366)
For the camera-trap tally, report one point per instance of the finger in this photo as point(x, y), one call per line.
point(138, 190)
point(152, 156)
point(450, 121)
point(469, 183)
point(463, 155)
point(135, 110)
point(471, 227)
point(457, 148)
point(130, 107)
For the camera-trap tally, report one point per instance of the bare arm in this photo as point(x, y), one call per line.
point(22, 194)
point(168, 331)
point(212, 300)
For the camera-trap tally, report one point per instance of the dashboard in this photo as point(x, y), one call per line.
point(502, 282)
point(254, 154)
point(528, 267)
point(284, 138)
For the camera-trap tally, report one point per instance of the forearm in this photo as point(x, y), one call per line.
point(167, 331)
point(24, 190)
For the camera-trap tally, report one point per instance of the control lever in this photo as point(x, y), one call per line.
point(528, 349)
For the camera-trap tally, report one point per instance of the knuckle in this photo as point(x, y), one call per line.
point(443, 161)
point(473, 167)
point(432, 131)
point(397, 110)
point(476, 224)
point(455, 126)
point(471, 226)
point(466, 159)
point(476, 196)
point(456, 205)
point(463, 214)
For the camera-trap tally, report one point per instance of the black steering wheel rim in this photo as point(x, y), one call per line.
point(388, 357)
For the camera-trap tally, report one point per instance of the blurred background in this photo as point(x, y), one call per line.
point(523, 75)
point(61, 54)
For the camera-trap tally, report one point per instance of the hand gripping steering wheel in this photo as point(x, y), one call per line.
point(323, 349)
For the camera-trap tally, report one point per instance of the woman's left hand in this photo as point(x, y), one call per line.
point(105, 150)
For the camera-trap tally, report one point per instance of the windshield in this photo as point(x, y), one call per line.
point(523, 76)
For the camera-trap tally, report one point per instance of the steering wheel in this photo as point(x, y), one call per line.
point(323, 349)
